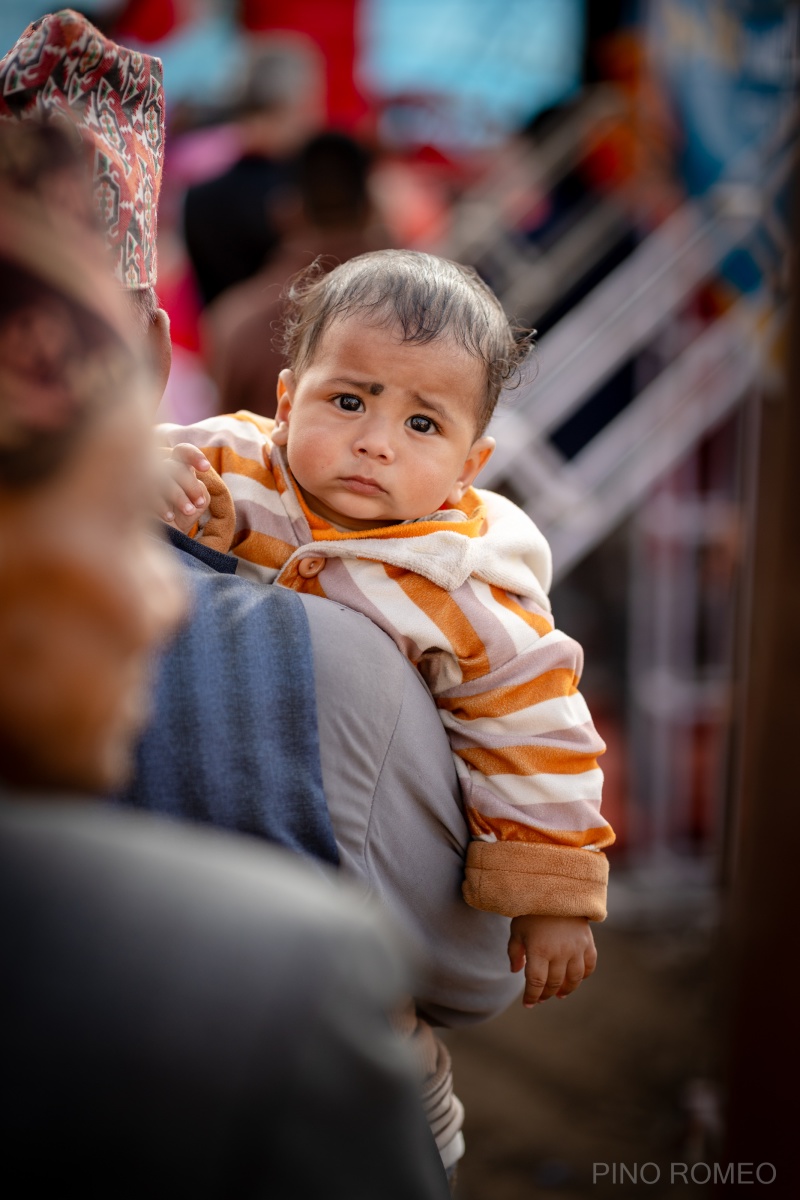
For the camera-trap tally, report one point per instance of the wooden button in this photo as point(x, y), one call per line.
point(309, 567)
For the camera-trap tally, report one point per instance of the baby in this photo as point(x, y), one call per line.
point(361, 491)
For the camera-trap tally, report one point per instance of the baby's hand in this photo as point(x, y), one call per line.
point(557, 953)
point(181, 495)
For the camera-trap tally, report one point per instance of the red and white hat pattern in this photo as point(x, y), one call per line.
point(63, 68)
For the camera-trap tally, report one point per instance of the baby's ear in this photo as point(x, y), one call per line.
point(280, 434)
point(475, 461)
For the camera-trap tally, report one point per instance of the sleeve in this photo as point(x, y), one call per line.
point(506, 685)
point(246, 515)
point(234, 444)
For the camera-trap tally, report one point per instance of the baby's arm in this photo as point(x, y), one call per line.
point(526, 752)
point(558, 953)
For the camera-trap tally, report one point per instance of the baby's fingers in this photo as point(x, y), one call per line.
point(516, 953)
point(579, 968)
point(541, 981)
point(573, 976)
point(181, 490)
point(191, 456)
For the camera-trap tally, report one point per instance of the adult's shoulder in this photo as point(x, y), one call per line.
point(201, 1009)
point(162, 881)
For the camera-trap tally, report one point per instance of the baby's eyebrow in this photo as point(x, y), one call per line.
point(361, 385)
point(432, 406)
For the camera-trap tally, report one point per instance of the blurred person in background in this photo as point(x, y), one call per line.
point(231, 223)
point(332, 219)
point(162, 1027)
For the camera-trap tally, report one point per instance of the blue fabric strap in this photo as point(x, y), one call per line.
point(234, 736)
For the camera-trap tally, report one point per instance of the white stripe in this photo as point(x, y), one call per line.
point(242, 487)
point(516, 728)
point(387, 595)
point(250, 570)
point(240, 436)
point(525, 791)
point(552, 638)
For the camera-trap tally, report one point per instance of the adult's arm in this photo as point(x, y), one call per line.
point(394, 802)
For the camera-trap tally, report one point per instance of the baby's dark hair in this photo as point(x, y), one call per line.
point(424, 296)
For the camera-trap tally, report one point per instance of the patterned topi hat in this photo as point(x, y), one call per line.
point(63, 69)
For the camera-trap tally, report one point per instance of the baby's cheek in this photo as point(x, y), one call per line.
point(311, 457)
point(430, 489)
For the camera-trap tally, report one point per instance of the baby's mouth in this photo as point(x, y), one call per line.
point(363, 486)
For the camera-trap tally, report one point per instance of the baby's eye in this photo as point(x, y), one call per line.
point(349, 403)
point(421, 424)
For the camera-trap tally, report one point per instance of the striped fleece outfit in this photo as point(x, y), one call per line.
point(463, 594)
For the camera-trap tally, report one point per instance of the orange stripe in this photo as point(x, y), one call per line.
point(261, 548)
point(311, 587)
point(511, 831)
point(528, 760)
point(471, 505)
point(537, 622)
point(223, 459)
point(281, 485)
point(499, 702)
point(297, 583)
point(383, 532)
point(442, 609)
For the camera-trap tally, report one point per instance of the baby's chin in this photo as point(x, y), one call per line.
point(358, 515)
point(358, 524)
point(359, 512)
point(359, 518)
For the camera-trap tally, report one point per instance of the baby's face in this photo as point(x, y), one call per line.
point(378, 430)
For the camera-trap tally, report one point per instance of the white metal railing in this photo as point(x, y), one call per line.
point(526, 278)
point(578, 502)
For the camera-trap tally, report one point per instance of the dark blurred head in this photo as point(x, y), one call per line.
point(332, 178)
point(85, 591)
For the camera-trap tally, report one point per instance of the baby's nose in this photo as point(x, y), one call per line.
point(374, 444)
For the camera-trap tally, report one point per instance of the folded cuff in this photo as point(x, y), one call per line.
point(518, 878)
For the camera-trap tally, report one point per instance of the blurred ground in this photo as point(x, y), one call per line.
point(603, 1077)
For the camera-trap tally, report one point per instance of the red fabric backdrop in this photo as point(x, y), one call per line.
point(332, 25)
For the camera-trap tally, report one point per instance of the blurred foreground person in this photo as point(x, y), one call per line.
point(255, 658)
point(182, 1014)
